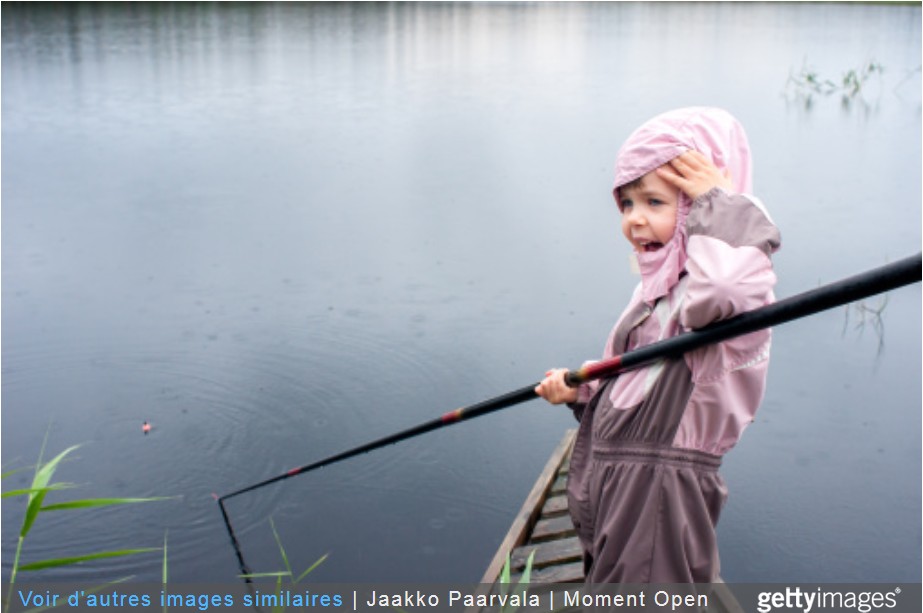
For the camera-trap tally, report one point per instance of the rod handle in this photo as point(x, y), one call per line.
point(572, 378)
point(591, 371)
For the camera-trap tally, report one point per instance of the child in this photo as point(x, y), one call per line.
point(644, 491)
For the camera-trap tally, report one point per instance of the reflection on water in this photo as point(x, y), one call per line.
point(276, 231)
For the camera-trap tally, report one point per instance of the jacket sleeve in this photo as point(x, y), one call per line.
point(730, 240)
point(584, 395)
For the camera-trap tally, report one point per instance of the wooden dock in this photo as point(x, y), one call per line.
point(544, 525)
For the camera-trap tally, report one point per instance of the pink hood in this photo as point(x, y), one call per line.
point(711, 131)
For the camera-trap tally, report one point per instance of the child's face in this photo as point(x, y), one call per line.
point(649, 212)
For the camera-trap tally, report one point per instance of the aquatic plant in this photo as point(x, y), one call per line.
point(867, 315)
point(854, 79)
point(40, 487)
point(523, 580)
point(163, 576)
point(807, 83)
point(281, 574)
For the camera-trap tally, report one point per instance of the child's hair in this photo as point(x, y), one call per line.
point(634, 183)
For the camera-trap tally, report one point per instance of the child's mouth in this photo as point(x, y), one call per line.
point(652, 246)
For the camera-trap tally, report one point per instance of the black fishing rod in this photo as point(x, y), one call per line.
point(875, 281)
point(825, 297)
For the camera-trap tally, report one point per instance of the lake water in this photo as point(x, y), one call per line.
point(277, 231)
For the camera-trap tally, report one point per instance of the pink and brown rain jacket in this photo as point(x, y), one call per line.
point(644, 490)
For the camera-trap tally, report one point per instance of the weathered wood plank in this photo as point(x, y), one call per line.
point(548, 553)
point(567, 573)
point(555, 527)
point(555, 505)
point(560, 484)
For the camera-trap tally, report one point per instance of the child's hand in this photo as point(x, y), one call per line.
point(554, 389)
point(694, 174)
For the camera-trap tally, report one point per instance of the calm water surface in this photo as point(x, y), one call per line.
point(279, 231)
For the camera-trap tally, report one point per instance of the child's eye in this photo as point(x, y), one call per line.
point(626, 204)
point(655, 202)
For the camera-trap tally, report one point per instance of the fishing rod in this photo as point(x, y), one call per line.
point(839, 293)
point(825, 297)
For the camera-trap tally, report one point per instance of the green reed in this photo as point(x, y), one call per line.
point(40, 487)
point(523, 580)
point(808, 82)
point(282, 574)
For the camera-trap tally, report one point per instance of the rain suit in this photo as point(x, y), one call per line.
point(644, 489)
